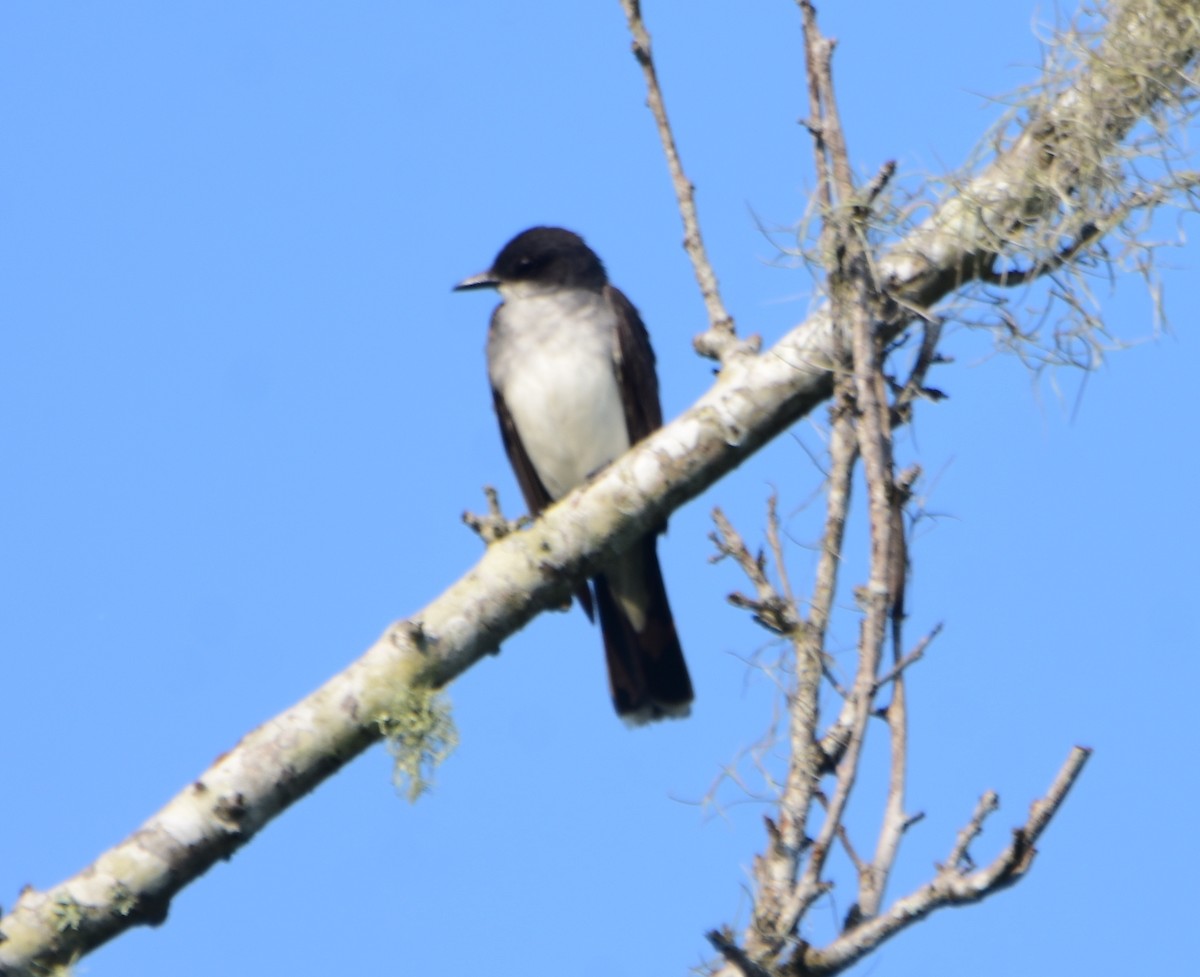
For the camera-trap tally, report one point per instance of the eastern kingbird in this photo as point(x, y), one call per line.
point(574, 386)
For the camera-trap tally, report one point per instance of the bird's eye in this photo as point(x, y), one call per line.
point(528, 266)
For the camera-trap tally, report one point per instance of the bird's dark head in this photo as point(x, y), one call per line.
point(549, 257)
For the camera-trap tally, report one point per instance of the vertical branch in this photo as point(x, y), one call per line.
point(833, 159)
point(843, 456)
point(873, 881)
point(860, 428)
point(812, 57)
point(720, 321)
point(780, 903)
point(790, 873)
point(854, 301)
point(882, 597)
point(857, 307)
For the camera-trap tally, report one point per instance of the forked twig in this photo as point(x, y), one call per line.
point(789, 872)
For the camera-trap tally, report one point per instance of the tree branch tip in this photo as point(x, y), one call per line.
point(1042, 810)
point(879, 182)
point(724, 526)
point(1071, 768)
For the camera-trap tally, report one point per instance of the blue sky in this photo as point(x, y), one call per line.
point(241, 413)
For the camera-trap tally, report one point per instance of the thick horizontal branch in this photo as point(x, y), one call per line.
point(522, 574)
point(1055, 164)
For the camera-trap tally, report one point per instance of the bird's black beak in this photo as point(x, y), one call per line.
point(483, 280)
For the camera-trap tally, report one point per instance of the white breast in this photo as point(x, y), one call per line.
point(551, 357)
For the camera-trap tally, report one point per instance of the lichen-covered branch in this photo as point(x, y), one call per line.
point(1060, 177)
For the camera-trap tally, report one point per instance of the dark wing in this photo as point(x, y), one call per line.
point(647, 672)
point(635, 369)
point(635, 372)
point(536, 496)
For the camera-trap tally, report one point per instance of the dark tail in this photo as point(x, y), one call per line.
point(647, 673)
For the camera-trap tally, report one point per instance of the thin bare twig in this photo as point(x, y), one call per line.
point(911, 658)
point(493, 525)
point(960, 855)
point(789, 871)
point(720, 341)
point(775, 542)
point(771, 610)
point(854, 297)
point(950, 887)
point(927, 356)
point(873, 883)
point(1089, 233)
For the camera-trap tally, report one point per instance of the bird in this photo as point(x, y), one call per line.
point(574, 386)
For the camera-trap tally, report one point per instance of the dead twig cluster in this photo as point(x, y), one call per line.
point(824, 764)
